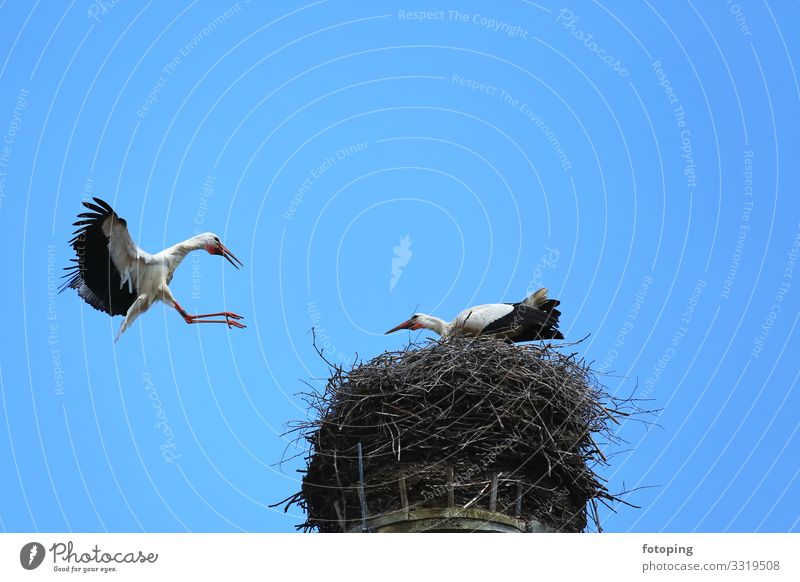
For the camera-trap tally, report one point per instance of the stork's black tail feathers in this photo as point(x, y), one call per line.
point(549, 328)
point(535, 318)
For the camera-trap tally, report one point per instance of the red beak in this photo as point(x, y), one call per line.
point(229, 255)
point(405, 325)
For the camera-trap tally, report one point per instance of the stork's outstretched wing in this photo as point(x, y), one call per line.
point(104, 273)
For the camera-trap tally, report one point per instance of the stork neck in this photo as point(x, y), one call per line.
point(435, 324)
point(176, 253)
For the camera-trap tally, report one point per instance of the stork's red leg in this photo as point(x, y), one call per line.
point(228, 322)
point(220, 314)
point(230, 318)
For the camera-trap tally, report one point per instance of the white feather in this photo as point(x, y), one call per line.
point(537, 298)
point(124, 253)
point(472, 321)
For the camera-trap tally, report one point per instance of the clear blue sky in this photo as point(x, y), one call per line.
point(639, 159)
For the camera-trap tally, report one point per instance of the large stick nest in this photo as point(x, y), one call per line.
point(528, 417)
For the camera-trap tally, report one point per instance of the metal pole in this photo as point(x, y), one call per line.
point(362, 496)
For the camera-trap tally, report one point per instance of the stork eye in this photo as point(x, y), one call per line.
point(216, 239)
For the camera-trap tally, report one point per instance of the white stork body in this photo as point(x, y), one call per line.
point(532, 319)
point(113, 275)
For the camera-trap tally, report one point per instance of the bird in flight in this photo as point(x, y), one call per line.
point(535, 318)
point(112, 274)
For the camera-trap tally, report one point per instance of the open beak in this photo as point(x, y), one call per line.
point(405, 325)
point(230, 256)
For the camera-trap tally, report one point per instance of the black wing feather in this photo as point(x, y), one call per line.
point(525, 323)
point(93, 274)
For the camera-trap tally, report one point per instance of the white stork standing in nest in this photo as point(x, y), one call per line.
point(112, 274)
point(535, 318)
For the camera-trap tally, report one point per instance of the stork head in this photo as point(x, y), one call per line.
point(422, 321)
point(214, 246)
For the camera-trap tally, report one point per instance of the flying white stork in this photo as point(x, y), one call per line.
point(534, 318)
point(112, 274)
